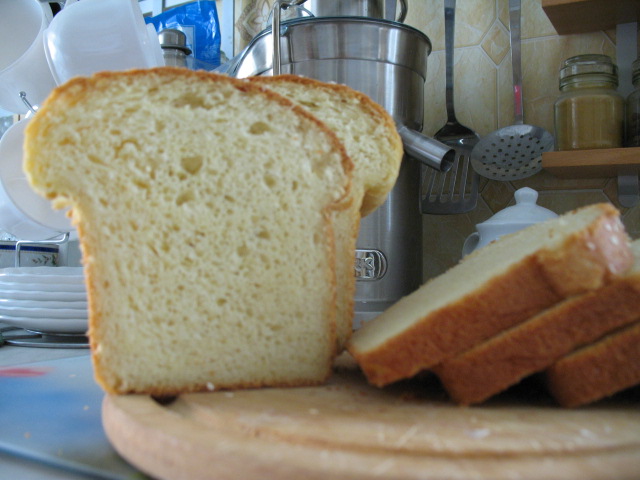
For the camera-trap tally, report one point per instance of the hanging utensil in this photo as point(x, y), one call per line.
point(513, 152)
point(455, 191)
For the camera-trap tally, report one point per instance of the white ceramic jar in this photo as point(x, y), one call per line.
point(511, 219)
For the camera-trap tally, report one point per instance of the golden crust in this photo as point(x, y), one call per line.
point(585, 260)
point(597, 371)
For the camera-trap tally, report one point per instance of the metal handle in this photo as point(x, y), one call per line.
point(514, 36)
point(390, 7)
point(449, 35)
point(278, 5)
point(427, 150)
point(403, 11)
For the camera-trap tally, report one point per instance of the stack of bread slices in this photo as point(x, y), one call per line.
point(217, 220)
point(561, 297)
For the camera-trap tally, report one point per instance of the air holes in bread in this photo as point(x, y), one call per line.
point(258, 128)
point(192, 164)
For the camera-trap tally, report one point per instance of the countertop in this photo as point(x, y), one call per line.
point(50, 418)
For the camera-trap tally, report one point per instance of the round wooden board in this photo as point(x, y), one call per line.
point(347, 429)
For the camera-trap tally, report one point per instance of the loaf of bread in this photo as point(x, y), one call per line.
point(204, 207)
point(369, 134)
point(598, 370)
point(502, 361)
point(494, 288)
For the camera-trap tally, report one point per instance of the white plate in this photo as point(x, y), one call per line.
point(52, 304)
point(61, 313)
point(43, 270)
point(40, 295)
point(42, 279)
point(47, 325)
point(31, 287)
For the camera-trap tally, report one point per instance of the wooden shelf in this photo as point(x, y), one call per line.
point(603, 163)
point(581, 16)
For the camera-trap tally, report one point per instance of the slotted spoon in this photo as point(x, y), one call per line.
point(455, 191)
point(513, 152)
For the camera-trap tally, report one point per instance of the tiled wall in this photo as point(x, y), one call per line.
point(484, 102)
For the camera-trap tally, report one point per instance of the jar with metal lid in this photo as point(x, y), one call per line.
point(633, 108)
point(589, 112)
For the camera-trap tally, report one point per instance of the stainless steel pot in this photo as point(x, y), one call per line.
point(387, 61)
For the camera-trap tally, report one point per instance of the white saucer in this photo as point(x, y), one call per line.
point(47, 325)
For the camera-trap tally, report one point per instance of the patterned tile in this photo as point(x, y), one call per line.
point(496, 43)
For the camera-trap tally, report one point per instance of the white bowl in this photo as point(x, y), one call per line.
point(47, 325)
point(96, 35)
point(44, 295)
point(24, 213)
point(23, 63)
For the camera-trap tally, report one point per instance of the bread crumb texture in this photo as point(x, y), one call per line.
point(204, 208)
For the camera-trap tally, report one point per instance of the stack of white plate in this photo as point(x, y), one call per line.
point(49, 300)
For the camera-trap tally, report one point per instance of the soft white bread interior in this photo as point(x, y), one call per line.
point(494, 288)
point(369, 134)
point(204, 208)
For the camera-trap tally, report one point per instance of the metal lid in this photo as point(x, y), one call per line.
point(588, 64)
point(173, 38)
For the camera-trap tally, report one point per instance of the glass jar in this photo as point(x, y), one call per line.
point(589, 112)
point(633, 108)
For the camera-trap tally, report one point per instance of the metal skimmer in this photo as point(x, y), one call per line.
point(513, 152)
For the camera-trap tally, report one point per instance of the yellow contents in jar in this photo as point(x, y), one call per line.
point(589, 120)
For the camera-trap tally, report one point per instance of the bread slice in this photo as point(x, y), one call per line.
point(369, 134)
point(598, 370)
point(367, 131)
point(494, 288)
point(207, 245)
point(534, 345)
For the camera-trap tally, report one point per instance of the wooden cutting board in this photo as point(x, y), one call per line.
point(347, 429)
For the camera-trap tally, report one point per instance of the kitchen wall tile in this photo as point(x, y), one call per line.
point(474, 90)
point(562, 201)
point(547, 181)
point(496, 43)
point(631, 220)
point(534, 22)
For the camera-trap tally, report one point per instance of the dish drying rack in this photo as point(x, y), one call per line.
point(19, 337)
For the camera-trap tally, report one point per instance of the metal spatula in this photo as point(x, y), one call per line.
point(455, 191)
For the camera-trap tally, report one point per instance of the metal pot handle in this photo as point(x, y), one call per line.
point(403, 11)
point(278, 5)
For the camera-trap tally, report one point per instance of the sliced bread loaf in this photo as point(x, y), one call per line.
point(207, 243)
point(369, 134)
point(494, 288)
point(536, 344)
point(598, 370)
